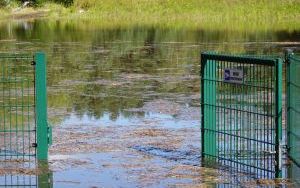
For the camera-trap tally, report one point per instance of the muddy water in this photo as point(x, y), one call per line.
point(124, 102)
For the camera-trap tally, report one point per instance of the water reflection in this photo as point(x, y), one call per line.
point(41, 177)
point(106, 70)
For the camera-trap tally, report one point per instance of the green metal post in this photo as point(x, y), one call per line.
point(41, 106)
point(208, 89)
point(203, 64)
point(288, 88)
point(278, 119)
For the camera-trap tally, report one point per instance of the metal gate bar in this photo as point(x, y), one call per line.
point(241, 118)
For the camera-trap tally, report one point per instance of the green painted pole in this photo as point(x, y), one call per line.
point(288, 99)
point(278, 119)
point(41, 106)
point(203, 100)
point(208, 109)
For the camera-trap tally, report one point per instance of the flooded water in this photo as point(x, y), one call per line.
point(124, 103)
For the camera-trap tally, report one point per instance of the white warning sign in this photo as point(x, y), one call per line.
point(234, 76)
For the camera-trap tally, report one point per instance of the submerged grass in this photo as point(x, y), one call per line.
point(217, 14)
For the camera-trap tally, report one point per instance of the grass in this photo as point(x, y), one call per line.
point(215, 14)
point(227, 14)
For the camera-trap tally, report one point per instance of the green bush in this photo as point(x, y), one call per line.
point(3, 3)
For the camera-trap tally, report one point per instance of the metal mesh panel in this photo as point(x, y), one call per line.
point(294, 108)
point(240, 117)
point(17, 109)
point(24, 133)
point(18, 181)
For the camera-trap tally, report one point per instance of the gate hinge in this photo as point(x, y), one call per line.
point(49, 134)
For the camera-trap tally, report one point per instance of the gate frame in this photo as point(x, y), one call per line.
point(43, 132)
point(276, 63)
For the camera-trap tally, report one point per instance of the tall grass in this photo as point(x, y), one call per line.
point(252, 14)
point(215, 14)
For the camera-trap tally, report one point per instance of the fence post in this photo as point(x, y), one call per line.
point(203, 64)
point(288, 54)
point(41, 106)
point(208, 110)
point(278, 120)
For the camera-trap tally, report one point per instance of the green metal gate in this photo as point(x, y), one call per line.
point(24, 133)
point(241, 112)
point(293, 107)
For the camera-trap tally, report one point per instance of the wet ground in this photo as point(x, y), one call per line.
point(125, 104)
